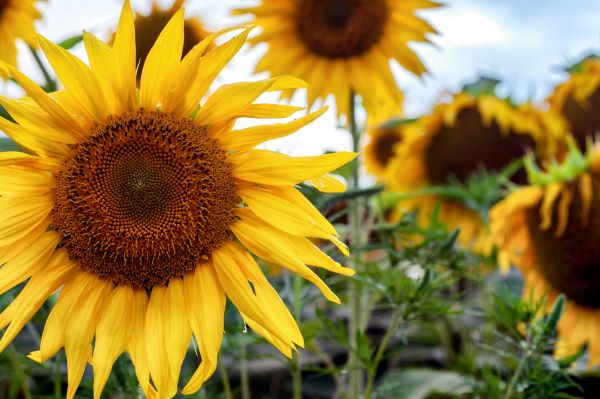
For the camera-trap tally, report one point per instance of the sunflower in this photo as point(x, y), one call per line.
point(16, 22)
point(149, 26)
point(455, 141)
point(381, 143)
point(578, 100)
point(550, 231)
point(343, 46)
point(144, 209)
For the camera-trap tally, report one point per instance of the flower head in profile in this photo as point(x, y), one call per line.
point(549, 230)
point(456, 141)
point(17, 18)
point(146, 209)
point(578, 100)
point(343, 46)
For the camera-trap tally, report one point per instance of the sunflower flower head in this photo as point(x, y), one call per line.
point(549, 230)
point(381, 145)
point(147, 210)
point(475, 130)
point(343, 46)
point(578, 100)
point(17, 19)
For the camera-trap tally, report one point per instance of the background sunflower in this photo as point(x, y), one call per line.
point(334, 45)
point(16, 23)
point(474, 133)
point(578, 100)
point(549, 230)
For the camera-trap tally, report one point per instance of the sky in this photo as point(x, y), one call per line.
point(524, 43)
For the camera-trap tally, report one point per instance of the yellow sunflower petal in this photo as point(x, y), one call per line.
point(34, 294)
point(232, 99)
point(78, 79)
point(113, 334)
point(28, 262)
point(168, 336)
point(268, 247)
point(162, 62)
point(267, 167)
point(248, 138)
point(230, 269)
point(209, 67)
point(79, 331)
point(18, 217)
point(206, 310)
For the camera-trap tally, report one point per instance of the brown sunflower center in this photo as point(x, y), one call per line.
point(145, 198)
point(571, 262)
point(459, 150)
point(149, 27)
point(3, 6)
point(341, 28)
point(384, 146)
point(583, 120)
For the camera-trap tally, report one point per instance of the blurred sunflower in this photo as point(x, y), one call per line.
point(455, 141)
point(143, 209)
point(343, 46)
point(149, 26)
point(578, 100)
point(16, 22)
point(550, 231)
point(381, 143)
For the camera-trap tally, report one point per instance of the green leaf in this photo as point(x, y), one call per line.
point(421, 384)
point(484, 86)
point(577, 67)
point(6, 144)
point(71, 42)
point(397, 122)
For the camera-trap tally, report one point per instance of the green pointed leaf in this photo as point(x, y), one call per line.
point(71, 42)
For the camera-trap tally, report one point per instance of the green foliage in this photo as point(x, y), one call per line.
point(573, 166)
point(422, 384)
point(70, 42)
point(484, 86)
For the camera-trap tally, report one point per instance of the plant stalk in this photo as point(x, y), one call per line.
point(225, 380)
point(244, 378)
point(380, 351)
point(355, 321)
point(20, 373)
point(50, 82)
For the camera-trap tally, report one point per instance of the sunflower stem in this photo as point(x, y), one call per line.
point(225, 380)
point(244, 380)
point(355, 294)
point(57, 375)
point(296, 367)
point(380, 351)
point(19, 372)
point(50, 82)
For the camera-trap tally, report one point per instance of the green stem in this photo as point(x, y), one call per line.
point(296, 367)
point(518, 371)
point(225, 380)
point(380, 351)
point(355, 295)
point(58, 375)
point(50, 82)
point(20, 373)
point(244, 379)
